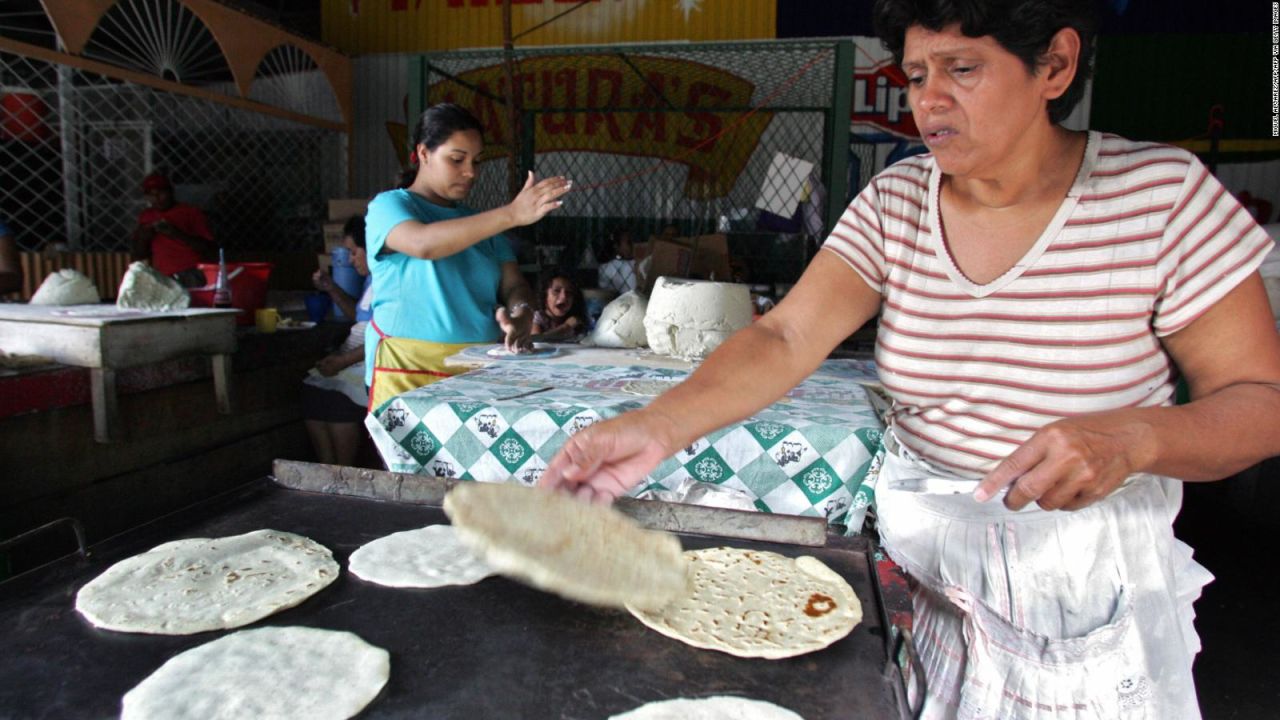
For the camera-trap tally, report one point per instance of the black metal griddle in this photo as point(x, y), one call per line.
point(497, 649)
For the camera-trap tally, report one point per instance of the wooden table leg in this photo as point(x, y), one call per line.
point(222, 382)
point(106, 414)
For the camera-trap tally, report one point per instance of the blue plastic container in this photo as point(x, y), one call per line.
point(340, 257)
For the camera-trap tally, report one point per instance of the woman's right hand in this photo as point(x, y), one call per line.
point(605, 460)
point(323, 281)
point(537, 199)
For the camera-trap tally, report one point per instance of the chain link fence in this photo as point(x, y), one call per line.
point(74, 147)
point(693, 139)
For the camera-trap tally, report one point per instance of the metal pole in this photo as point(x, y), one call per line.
point(836, 169)
point(514, 179)
point(67, 120)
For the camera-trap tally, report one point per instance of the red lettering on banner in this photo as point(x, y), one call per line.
point(560, 87)
point(654, 122)
point(574, 102)
point(705, 124)
point(597, 77)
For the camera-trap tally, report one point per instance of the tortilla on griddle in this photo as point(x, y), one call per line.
point(758, 604)
point(719, 707)
point(585, 552)
point(198, 584)
point(429, 557)
point(274, 672)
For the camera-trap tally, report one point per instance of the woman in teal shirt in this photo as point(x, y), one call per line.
point(440, 268)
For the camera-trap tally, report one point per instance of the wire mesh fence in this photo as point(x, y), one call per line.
point(74, 147)
point(705, 138)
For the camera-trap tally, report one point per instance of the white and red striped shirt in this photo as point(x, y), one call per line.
point(1145, 242)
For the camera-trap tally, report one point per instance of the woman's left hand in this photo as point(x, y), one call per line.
point(331, 365)
point(518, 328)
point(1069, 464)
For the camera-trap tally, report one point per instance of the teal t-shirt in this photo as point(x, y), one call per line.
point(450, 300)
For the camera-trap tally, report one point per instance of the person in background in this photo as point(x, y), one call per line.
point(563, 311)
point(173, 236)
point(334, 395)
point(441, 268)
point(1041, 293)
point(10, 266)
point(619, 273)
point(353, 240)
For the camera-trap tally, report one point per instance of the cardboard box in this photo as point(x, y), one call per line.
point(705, 257)
point(332, 235)
point(341, 209)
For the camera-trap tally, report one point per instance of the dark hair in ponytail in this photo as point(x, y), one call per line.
point(437, 124)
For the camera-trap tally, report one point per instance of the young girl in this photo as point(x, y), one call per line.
point(563, 311)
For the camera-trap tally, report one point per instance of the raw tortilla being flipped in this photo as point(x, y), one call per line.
point(428, 557)
point(590, 553)
point(751, 603)
point(719, 707)
point(198, 584)
point(272, 672)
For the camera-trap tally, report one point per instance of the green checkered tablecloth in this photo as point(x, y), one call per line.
point(814, 452)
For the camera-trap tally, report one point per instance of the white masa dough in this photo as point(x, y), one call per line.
point(144, 288)
point(428, 557)
point(719, 707)
point(690, 318)
point(198, 584)
point(621, 323)
point(66, 287)
point(274, 672)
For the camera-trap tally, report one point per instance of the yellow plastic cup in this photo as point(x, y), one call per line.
point(266, 319)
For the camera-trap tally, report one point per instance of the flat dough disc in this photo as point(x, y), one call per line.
point(198, 584)
point(538, 350)
point(648, 387)
point(752, 603)
point(585, 552)
point(428, 557)
point(719, 707)
point(273, 672)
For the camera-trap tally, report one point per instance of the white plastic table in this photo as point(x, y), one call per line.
point(105, 339)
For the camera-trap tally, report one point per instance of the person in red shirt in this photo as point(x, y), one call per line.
point(173, 236)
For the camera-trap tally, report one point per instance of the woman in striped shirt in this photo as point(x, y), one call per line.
point(1040, 291)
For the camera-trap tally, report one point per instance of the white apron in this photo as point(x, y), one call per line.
point(1045, 614)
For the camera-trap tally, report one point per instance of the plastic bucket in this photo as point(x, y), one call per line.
point(248, 286)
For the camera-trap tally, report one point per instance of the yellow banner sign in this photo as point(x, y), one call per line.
point(601, 104)
point(376, 26)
